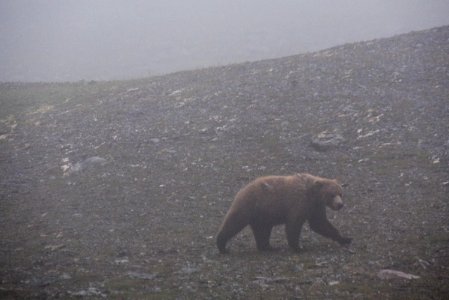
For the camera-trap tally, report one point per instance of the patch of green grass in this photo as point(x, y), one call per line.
point(388, 162)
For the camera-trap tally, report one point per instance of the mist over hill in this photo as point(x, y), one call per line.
point(46, 40)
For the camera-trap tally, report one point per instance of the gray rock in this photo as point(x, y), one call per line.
point(325, 141)
point(85, 164)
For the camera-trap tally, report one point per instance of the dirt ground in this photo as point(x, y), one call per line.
point(116, 189)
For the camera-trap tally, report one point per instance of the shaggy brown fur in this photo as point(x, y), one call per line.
point(290, 200)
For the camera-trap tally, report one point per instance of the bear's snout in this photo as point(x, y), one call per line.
point(337, 203)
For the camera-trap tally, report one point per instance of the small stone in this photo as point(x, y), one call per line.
point(121, 261)
point(189, 270)
point(65, 276)
point(88, 293)
point(368, 134)
point(139, 275)
point(54, 247)
point(435, 160)
point(94, 160)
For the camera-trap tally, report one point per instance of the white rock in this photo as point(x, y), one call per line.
point(391, 274)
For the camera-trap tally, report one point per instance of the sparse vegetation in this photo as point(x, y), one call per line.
point(116, 189)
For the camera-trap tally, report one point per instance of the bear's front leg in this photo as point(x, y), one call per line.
point(321, 225)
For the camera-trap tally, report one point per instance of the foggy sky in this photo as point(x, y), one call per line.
point(69, 40)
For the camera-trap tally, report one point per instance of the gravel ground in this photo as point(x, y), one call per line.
point(116, 189)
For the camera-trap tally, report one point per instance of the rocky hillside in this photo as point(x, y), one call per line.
point(116, 189)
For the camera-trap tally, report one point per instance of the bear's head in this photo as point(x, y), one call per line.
point(330, 193)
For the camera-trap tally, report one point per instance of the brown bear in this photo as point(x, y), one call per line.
point(290, 200)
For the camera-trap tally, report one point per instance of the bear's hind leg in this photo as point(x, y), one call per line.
point(262, 236)
point(230, 228)
point(293, 232)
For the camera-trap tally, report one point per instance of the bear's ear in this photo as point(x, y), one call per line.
point(340, 182)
